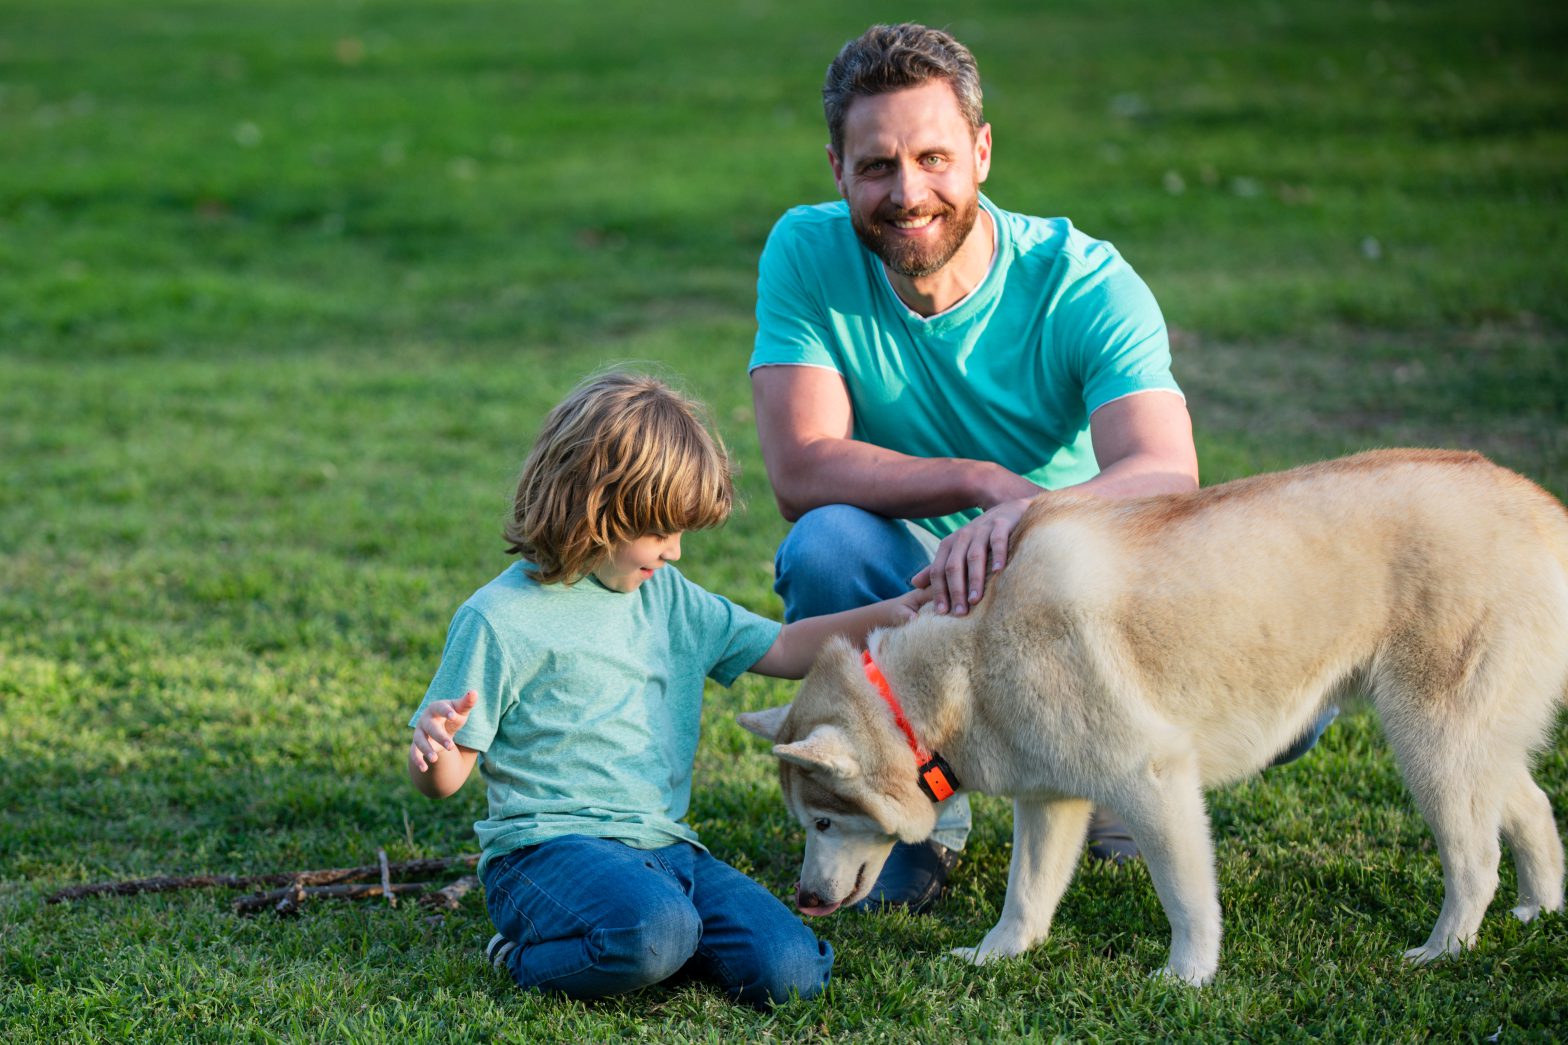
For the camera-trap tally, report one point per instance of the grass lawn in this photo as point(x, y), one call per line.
point(286, 286)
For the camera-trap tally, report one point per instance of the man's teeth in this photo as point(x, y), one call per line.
point(914, 223)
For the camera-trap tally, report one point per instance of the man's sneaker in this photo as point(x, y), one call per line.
point(1109, 838)
point(914, 877)
point(498, 950)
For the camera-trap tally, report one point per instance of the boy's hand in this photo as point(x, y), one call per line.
point(435, 728)
point(910, 602)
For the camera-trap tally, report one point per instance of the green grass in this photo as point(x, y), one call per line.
point(285, 288)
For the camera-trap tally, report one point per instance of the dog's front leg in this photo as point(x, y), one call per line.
point(1047, 838)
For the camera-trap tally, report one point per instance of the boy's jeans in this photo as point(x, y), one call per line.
point(593, 916)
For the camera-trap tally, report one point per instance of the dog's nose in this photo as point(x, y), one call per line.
point(804, 899)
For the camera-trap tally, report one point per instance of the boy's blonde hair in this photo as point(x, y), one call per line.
point(622, 456)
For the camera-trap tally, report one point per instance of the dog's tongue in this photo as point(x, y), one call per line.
point(816, 910)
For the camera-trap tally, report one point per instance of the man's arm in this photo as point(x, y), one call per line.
point(804, 422)
point(1144, 446)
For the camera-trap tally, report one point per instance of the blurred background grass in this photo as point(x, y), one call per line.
point(285, 288)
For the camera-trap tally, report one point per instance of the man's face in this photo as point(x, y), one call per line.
point(911, 172)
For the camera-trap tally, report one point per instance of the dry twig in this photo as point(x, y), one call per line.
point(450, 898)
point(288, 899)
point(327, 876)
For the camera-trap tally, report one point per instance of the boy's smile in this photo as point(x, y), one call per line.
point(632, 562)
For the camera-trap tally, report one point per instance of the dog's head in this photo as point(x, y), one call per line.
point(847, 775)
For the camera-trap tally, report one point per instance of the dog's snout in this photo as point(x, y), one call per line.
point(804, 899)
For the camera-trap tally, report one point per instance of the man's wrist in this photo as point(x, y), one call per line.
point(997, 485)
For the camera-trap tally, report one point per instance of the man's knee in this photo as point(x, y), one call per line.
point(837, 557)
point(817, 544)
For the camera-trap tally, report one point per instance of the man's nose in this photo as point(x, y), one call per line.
point(909, 187)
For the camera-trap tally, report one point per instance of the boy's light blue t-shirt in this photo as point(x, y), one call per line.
point(589, 702)
point(1059, 327)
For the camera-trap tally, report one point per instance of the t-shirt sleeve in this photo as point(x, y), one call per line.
point(472, 660)
point(791, 327)
point(731, 638)
point(1112, 331)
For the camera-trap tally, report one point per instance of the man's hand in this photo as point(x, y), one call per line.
point(434, 731)
point(957, 574)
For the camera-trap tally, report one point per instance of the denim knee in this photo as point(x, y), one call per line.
point(652, 950)
point(800, 968)
point(838, 557)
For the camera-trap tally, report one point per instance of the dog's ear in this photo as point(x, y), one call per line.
point(824, 748)
point(765, 723)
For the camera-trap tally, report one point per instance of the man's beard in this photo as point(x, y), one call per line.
point(914, 260)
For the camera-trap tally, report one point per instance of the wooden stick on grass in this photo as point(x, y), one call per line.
point(327, 876)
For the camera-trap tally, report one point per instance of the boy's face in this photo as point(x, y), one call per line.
point(631, 563)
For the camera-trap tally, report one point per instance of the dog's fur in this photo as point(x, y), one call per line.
point(1133, 653)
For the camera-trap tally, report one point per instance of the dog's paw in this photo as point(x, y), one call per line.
point(1431, 952)
point(1192, 977)
point(1527, 912)
point(982, 955)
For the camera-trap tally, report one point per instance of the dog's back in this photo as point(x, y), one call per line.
point(1426, 579)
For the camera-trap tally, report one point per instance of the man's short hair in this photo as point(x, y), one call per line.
point(623, 456)
point(888, 58)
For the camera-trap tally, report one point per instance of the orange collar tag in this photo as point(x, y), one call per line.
point(936, 777)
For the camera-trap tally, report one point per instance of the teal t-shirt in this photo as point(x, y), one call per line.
point(589, 702)
point(1059, 327)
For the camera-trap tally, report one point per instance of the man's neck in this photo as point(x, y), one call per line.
point(950, 284)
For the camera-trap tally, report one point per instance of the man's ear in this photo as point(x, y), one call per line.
point(837, 164)
point(982, 153)
point(766, 723)
point(825, 748)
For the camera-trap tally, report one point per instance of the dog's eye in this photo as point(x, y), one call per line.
point(823, 823)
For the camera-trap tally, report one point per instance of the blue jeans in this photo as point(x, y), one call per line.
point(837, 557)
point(594, 917)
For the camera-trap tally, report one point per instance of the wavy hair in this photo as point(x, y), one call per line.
point(887, 58)
point(624, 455)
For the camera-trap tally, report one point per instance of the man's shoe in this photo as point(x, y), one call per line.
point(1109, 838)
point(1307, 740)
point(914, 877)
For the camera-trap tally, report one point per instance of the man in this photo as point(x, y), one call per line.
point(926, 363)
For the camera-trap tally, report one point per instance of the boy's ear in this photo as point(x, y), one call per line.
point(766, 723)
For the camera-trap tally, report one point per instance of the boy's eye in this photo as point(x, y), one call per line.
point(823, 823)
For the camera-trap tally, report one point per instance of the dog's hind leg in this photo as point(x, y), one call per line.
point(1531, 832)
point(1047, 838)
point(1465, 815)
point(1171, 826)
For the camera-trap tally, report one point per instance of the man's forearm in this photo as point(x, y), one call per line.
point(847, 471)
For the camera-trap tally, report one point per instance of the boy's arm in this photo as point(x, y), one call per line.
point(792, 652)
point(437, 764)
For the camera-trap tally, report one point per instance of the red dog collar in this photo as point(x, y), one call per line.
point(937, 778)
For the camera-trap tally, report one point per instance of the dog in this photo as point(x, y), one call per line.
point(1133, 653)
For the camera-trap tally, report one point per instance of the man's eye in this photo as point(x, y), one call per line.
point(823, 823)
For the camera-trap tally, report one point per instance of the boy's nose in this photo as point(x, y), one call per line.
point(672, 549)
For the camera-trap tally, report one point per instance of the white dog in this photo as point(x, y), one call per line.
point(1133, 653)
